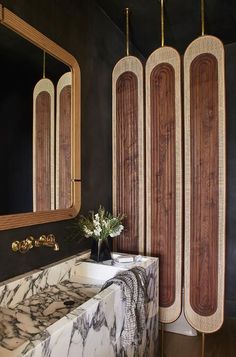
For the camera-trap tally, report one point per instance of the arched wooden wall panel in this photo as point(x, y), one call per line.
point(43, 146)
point(63, 142)
point(128, 152)
point(204, 96)
point(164, 175)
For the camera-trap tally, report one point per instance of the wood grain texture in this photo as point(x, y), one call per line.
point(127, 159)
point(25, 30)
point(204, 183)
point(43, 177)
point(43, 146)
point(163, 175)
point(63, 143)
point(163, 219)
point(204, 93)
point(128, 164)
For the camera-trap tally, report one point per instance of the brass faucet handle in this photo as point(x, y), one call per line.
point(51, 241)
point(15, 246)
point(30, 240)
point(51, 238)
point(41, 241)
point(24, 245)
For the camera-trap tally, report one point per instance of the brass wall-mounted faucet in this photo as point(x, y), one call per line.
point(47, 241)
point(28, 243)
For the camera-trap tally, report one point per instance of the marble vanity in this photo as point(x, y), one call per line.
point(60, 311)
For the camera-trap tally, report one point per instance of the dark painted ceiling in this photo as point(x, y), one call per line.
point(182, 21)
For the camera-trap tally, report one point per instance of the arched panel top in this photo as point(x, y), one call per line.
point(204, 44)
point(164, 55)
point(204, 67)
point(126, 81)
point(127, 64)
point(162, 75)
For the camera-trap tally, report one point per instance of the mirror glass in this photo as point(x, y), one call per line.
point(21, 68)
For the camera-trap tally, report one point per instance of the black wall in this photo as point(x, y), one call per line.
point(84, 30)
point(231, 179)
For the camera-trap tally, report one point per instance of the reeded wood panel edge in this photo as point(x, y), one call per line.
point(206, 44)
point(130, 64)
point(170, 56)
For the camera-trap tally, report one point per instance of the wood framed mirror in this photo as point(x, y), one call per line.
point(7, 221)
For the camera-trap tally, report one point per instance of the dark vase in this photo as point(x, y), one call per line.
point(100, 250)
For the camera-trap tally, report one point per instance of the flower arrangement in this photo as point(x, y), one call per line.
point(100, 225)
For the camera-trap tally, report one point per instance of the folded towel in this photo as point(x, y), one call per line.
point(133, 284)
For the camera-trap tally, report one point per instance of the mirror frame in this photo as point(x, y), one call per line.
point(22, 28)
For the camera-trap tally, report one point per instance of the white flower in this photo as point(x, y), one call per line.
point(104, 223)
point(96, 223)
point(97, 231)
point(87, 232)
point(101, 225)
point(117, 231)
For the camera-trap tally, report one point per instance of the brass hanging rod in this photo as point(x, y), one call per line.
point(127, 30)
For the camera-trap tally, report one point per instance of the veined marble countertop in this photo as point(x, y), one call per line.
point(52, 311)
point(32, 316)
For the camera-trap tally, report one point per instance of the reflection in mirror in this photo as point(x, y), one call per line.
point(63, 139)
point(43, 145)
point(20, 78)
point(22, 68)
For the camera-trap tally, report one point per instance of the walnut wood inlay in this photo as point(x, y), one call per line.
point(164, 175)
point(63, 170)
point(163, 220)
point(204, 183)
point(43, 152)
point(128, 161)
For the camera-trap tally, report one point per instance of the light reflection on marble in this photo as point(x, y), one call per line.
point(41, 326)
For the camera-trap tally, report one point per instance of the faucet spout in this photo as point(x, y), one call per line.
point(56, 247)
point(47, 241)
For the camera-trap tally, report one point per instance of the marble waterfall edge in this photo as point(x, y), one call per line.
point(35, 321)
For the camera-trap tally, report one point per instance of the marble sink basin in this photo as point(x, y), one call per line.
point(42, 312)
point(99, 272)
